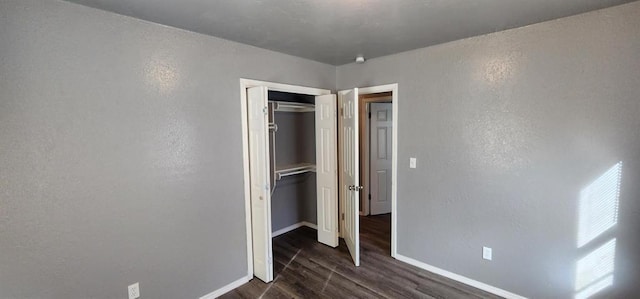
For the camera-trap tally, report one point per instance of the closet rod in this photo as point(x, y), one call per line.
point(284, 174)
point(280, 106)
point(295, 169)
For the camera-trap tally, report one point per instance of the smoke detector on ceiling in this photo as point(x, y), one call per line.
point(360, 59)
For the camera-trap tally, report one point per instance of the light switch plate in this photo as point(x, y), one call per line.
point(413, 162)
point(487, 253)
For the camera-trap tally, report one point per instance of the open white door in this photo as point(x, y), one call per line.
point(257, 106)
point(350, 171)
point(326, 169)
point(380, 158)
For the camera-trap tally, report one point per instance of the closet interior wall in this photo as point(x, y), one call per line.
point(294, 197)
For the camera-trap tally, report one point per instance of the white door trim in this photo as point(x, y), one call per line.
point(393, 88)
point(244, 84)
point(365, 158)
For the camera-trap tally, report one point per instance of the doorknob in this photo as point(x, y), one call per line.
point(355, 188)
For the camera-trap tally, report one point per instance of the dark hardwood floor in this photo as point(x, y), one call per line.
point(304, 268)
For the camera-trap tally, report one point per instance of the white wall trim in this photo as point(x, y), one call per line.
point(393, 88)
point(459, 278)
point(244, 84)
point(225, 289)
point(309, 224)
point(292, 227)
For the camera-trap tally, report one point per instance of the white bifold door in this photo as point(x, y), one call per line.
point(257, 109)
point(327, 169)
point(350, 182)
point(259, 168)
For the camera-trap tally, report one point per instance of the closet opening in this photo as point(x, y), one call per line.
point(293, 156)
point(302, 164)
point(290, 167)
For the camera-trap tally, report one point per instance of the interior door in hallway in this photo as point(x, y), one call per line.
point(380, 157)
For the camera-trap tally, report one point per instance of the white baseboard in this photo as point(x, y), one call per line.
point(292, 227)
point(459, 278)
point(225, 289)
point(309, 224)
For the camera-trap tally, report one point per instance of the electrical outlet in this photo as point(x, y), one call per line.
point(487, 253)
point(134, 291)
point(413, 162)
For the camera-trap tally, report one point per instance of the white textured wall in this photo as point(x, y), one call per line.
point(508, 128)
point(121, 153)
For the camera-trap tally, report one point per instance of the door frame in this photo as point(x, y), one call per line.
point(393, 88)
point(244, 84)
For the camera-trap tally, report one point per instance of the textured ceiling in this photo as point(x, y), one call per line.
point(335, 31)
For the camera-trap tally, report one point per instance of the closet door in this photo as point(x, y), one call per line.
point(350, 170)
point(257, 108)
point(326, 169)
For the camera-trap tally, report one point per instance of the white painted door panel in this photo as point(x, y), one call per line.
point(326, 169)
point(350, 171)
point(380, 158)
point(257, 103)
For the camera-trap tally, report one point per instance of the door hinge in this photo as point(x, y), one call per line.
point(369, 196)
point(342, 216)
point(369, 114)
point(341, 111)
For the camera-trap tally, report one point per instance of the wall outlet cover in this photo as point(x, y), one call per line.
point(134, 291)
point(413, 162)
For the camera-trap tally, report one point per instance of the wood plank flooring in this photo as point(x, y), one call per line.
point(304, 268)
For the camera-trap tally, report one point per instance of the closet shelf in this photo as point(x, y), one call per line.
point(294, 169)
point(280, 106)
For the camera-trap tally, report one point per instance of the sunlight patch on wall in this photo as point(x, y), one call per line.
point(598, 208)
point(595, 271)
point(595, 288)
point(599, 205)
